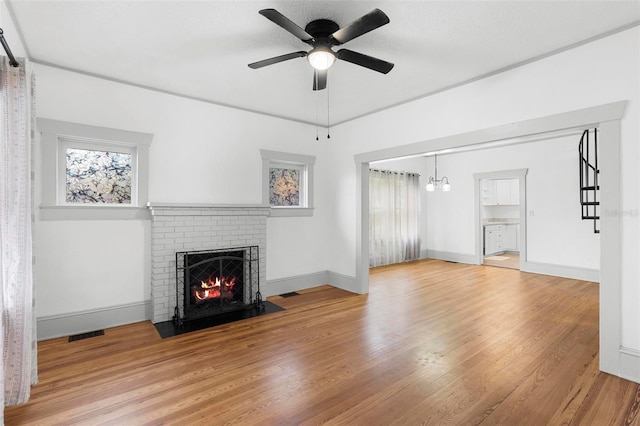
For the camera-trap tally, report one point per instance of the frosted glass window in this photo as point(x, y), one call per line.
point(98, 177)
point(287, 183)
point(284, 187)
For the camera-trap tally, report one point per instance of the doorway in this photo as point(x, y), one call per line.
point(501, 220)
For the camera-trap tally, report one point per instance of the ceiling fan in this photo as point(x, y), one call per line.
point(322, 35)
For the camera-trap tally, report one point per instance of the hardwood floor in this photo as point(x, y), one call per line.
point(432, 343)
point(506, 260)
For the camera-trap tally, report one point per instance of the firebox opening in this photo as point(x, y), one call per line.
point(215, 278)
point(211, 282)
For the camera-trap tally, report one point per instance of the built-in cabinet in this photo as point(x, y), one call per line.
point(500, 192)
point(493, 239)
point(511, 234)
point(500, 238)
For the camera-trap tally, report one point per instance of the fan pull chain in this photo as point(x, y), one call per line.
point(315, 76)
point(328, 135)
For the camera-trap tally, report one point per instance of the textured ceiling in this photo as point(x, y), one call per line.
point(201, 49)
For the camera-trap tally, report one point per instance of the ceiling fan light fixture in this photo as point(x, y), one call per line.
point(321, 58)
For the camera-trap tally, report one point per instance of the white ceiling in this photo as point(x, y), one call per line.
point(201, 49)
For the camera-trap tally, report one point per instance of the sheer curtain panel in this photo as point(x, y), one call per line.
point(16, 261)
point(394, 217)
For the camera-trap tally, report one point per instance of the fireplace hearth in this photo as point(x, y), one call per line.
point(215, 282)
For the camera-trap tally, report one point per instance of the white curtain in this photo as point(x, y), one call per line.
point(394, 217)
point(18, 342)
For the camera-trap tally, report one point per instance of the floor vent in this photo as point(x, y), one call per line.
point(82, 336)
point(291, 294)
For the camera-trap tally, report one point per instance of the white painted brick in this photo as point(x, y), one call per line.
point(162, 229)
point(184, 240)
point(174, 235)
point(192, 234)
point(177, 229)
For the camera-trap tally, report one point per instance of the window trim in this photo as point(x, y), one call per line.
point(306, 163)
point(56, 136)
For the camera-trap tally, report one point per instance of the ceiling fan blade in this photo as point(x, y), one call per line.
point(319, 79)
point(372, 20)
point(364, 60)
point(276, 59)
point(279, 19)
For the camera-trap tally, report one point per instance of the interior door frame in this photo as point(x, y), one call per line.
point(521, 175)
point(614, 359)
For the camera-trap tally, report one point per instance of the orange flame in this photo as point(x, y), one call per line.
point(215, 288)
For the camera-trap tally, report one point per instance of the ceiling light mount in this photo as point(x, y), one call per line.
point(321, 57)
point(321, 28)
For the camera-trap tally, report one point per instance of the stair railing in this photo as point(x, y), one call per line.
point(589, 186)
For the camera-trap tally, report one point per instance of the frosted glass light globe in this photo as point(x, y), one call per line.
point(321, 59)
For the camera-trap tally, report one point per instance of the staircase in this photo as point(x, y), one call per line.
point(589, 186)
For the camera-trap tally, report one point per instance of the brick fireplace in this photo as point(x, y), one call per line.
point(183, 227)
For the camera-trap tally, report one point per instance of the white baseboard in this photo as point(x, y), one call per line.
point(630, 364)
point(451, 257)
point(294, 283)
point(53, 326)
point(341, 281)
point(571, 272)
point(302, 282)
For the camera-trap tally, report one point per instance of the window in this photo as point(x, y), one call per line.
point(93, 172)
point(97, 176)
point(287, 183)
point(394, 217)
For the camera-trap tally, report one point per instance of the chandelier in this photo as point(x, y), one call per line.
point(435, 183)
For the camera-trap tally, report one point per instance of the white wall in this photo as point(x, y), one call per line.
point(501, 212)
point(604, 71)
point(200, 153)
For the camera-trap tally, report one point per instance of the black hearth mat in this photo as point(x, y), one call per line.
point(169, 329)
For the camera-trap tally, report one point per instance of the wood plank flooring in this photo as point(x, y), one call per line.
point(432, 343)
point(511, 261)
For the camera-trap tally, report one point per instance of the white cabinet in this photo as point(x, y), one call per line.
point(493, 239)
point(489, 192)
point(496, 192)
point(507, 192)
point(501, 238)
point(511, 236)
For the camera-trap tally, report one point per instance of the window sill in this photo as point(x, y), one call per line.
point(291, 212)
point(93, 213)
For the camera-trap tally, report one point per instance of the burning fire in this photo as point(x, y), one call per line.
point(215, 288)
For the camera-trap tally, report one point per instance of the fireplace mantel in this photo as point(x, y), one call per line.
point(158, 206)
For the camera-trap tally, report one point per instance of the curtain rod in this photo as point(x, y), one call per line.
point(12, 59)
point(394, 172)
